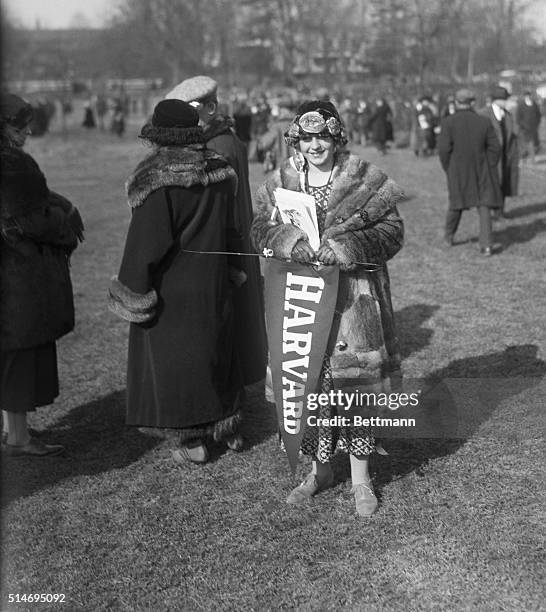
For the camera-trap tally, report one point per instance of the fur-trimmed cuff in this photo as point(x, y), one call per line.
point(129, 305)
point(282, 239)
point(218, 430)
point(346, 257)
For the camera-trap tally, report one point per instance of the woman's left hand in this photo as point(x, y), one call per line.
point(326, 256)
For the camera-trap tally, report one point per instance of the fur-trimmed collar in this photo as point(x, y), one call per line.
point(177, 166)
point(220, 124)
point(357, 187)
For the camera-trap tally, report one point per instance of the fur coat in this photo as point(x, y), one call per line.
point(362, 225)
point(39, 229)
point(182, 367)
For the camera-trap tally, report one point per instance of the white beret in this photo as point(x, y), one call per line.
point(195, 88)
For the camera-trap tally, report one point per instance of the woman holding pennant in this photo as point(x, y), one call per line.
point(359, 230)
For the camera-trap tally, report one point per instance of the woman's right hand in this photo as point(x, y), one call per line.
point(302, 252)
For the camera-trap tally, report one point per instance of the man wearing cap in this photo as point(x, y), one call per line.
point(201, 92)
point(505, 129)
point(469, 152)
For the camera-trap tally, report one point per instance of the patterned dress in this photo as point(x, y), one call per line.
point(321, 442)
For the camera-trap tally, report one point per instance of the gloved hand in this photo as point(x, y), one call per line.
point(326, 256)
point(302, 252)
point(236, 276)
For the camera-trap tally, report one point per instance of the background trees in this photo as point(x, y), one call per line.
point(243, 41)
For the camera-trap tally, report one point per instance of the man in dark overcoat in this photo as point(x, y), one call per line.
point(528, 120)
point(201, 92)
point(505, 129)
point(469, 152)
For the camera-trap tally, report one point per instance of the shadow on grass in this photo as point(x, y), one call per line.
point(96, 440)
point(409, 321)
point(528, 209)
point(518, 234)
point(519, 365)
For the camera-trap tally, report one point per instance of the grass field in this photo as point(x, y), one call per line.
point(116, 525)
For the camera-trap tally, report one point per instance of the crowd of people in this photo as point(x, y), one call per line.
point(189, 282)
point(383, 121)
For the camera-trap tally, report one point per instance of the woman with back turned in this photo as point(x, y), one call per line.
point(183, 370)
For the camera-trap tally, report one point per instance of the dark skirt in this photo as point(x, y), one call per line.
point(29, 378)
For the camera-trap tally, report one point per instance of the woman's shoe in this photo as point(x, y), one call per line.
point(366, 501)
point(309, 487)
point(33, 448)
point(235, 443)
point(196, 452)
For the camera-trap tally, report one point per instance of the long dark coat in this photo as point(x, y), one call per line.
point(528, 118)
point(182, 368)
point(380, 124)
point(249, 306)
point(363, 341)
point(39, 230)
point(508, 165)
point(469, 152)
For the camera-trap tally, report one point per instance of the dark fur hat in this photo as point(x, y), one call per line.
point(173, 123)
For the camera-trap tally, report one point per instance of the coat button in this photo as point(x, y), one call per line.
point(341, 346)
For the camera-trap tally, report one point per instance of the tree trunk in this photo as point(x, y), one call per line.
point(470, 62)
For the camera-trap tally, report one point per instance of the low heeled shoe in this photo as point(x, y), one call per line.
point(365, 499)
point(195, 452)
point(309, 487)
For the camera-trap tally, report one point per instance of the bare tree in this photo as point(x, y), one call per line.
point(173, 29)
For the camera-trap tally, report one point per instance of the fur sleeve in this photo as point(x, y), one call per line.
point(129, 305)
point(268, 233)
point(376, 244)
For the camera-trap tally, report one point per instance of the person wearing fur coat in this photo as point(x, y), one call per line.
point(358, 223)
point(183, 371)
point(39, 229)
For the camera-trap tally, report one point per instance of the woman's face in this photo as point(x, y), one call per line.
point(317, 150)
point(17, 136)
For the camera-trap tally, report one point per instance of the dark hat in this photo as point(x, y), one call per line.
point(499, 93)
point(15, 111)
point(464, 96)
point(324, 107)
point(173, 123)
point(175, 113)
